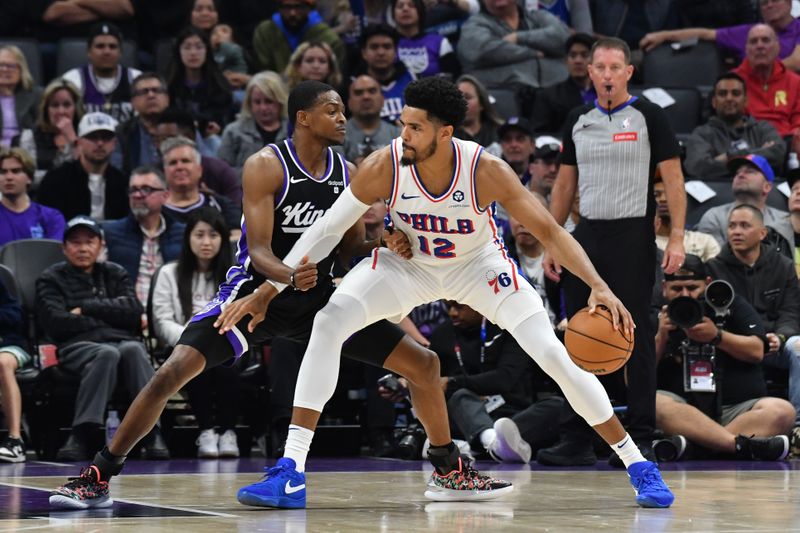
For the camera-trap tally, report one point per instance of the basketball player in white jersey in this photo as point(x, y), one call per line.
point(440, 192)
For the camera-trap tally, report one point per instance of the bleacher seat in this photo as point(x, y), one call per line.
point(505, 103)
point(684, 114)
point(689, 67)
point(72, 54)
point(30, 49)
point(695, 210)
point(164, 55)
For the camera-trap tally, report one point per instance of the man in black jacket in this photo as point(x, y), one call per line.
point(90, 311)
point(487, 382)
point(767, 280)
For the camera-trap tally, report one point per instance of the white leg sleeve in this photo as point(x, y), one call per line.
point(583, 390)
point(318, 240)
point(319, 371)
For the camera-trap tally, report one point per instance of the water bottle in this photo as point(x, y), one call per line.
point(112, 423)
point(792, 163)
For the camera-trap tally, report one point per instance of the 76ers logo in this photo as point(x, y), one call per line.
point(496, 281)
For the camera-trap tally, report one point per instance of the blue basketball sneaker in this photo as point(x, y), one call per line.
point(282, 487)
point(651, 491)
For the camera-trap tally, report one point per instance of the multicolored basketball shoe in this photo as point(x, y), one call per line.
point(465, 484)
point(83, 492)
point(651, 491)
point(283, 487)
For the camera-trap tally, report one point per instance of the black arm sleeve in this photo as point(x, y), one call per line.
point(663, 143)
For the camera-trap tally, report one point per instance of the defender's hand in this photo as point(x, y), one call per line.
point(254, 304)
point(621, 317)
point(551, 267)
point(305, 276)
point(397, 242)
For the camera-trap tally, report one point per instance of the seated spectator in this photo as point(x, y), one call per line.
point(183, 172)
point(507, 46)
point(52, 141)
point(716, 13)
point(424, 53)
point(518, 146)
point(296, 21)
point(766, 278)
point(481, 120)
point(89, 185)
point(218, 176)
point(313, 61)
point(182, 289)
point(731, 132)
point(632, 21)
point(137, 146)
point(263, 120)
point(379, 60)
point(12, 357)
point(145, 239)
point(696, 243)
point(229, 57)
point(544, 165)
point(574, 13)
point(196, 85)
point(366, 132)
point(773, 91)
point(20, 218)
point(204, 15)
point(777, 14)
point(62, 19)
point(553, 103)
point(793, 180)
point(104, 84)
point(737, 418)
point(487, 382)
point(752, 181)
point(19, 97)
point(90, 311)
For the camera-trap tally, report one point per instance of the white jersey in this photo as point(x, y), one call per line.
point(446, 229)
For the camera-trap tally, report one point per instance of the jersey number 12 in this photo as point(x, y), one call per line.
point(442, 248)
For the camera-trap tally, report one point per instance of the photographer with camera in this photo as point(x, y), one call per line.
point(766, 278)
point(709, 348)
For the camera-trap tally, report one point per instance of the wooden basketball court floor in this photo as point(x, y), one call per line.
point(373, 495)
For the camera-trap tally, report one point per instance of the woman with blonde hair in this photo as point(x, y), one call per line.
point(52, 140)
point(313, 61)
point(262, 120)
point(18, 94)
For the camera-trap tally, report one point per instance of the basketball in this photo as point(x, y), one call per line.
point(593, 343)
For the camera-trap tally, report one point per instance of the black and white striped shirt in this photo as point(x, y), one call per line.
point(617, 158)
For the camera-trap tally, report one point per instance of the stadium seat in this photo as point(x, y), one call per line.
point(688, 67)
point(164, 55)
point(695, 210)
point(684, 114)
point(505, 102)
point(72, 54)
point(30, 49)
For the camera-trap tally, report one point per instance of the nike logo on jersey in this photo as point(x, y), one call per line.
point(585, 125)
point(289, 489)
point(405, 196)
point(292, 179)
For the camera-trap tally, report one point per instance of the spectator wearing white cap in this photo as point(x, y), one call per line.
point(543, 166)
point(89, 185)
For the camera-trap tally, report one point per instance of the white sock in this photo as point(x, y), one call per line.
point(487, 437)
point(628, 451)
point(297, 444)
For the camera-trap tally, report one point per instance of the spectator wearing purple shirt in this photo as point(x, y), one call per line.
point(775, 13)
point(19, 217)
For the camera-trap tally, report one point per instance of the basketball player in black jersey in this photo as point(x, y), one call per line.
point(286, 188)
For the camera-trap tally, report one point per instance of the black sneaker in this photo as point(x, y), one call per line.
point(155, 449)
point(568, 452)
point(670, 449)
point(765, 449)
point(73, 450)
point(12, 450)
point(645, 447)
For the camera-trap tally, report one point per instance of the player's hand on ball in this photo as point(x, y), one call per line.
point(622, 318)
point(305, 276)
point(398, 242)
point(254, 304)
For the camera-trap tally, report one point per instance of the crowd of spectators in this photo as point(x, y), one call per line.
point(133, 160)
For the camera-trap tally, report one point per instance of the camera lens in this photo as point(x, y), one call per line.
point(685, 311)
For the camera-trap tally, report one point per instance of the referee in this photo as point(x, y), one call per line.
point(612, 148)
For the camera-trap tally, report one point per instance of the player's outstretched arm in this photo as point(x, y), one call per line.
point(496, 181)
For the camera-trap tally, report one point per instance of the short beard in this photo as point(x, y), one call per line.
point(139, 212)
point(407, 161)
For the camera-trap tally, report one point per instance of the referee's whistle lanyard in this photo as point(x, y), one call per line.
point(457, 349)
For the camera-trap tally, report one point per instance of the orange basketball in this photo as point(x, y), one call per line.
point(594, 344)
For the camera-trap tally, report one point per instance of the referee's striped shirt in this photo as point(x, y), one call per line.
point(617, 158)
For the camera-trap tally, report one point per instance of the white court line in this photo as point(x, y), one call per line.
point(49, 463)
point(184, 509)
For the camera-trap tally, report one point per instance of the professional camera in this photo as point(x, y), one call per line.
point(686, 311)
point(410, 440)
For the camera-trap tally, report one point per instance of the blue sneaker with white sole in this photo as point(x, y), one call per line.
point(651, 491)
point(282, 487)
